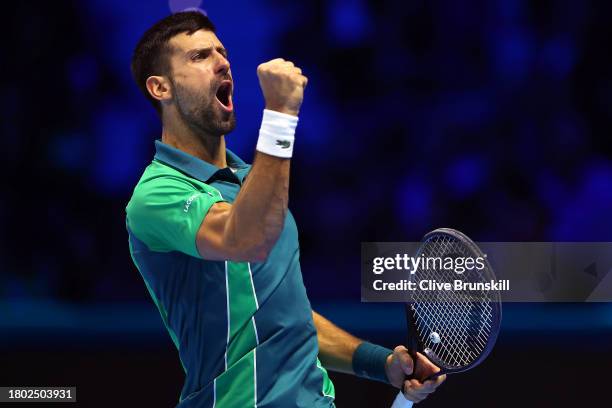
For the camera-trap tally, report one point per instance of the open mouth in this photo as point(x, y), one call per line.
point(224, 95)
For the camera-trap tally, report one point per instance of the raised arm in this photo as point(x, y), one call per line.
point(248, 229)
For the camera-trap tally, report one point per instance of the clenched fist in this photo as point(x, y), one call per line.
point(283, 85)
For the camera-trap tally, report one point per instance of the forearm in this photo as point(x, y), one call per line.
point(336, 346)
point(343, 352)
point(258, 214)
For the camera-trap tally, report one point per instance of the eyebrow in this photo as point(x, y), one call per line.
point(196, 51)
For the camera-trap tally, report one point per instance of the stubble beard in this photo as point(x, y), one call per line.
point(202, 115)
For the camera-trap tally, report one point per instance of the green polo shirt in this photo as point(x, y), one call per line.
point(243, 330)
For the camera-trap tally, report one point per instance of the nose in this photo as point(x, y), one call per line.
point(223, 65)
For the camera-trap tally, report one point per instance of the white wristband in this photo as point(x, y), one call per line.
point(277, 134)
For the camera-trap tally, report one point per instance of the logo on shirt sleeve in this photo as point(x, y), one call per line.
point(194, 196)
point(189, 201)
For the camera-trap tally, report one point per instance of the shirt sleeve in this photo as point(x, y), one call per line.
point(166, 212)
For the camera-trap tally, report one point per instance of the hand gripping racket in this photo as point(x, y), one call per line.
point(456, 330)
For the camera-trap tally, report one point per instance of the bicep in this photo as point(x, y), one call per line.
point(219, 239)
point(210, 239)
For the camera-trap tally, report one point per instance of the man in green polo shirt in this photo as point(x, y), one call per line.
point(217, 246)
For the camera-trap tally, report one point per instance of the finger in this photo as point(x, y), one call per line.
point(427, 388)
point(436, 382)
point(411, 394)
point(406, 363)
point(416, 385)
point(405, 360)
point(422, 388)
point(427, 363)
point(285, 65)
point(424, 367)
point(303, 80)
point(290, 69)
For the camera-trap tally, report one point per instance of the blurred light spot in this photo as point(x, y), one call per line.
point(414, 203)
point(348, 20)
point(551, 190)
point(185, 5)
point(585, 214)
point(336, 211)
point(510, 10)
point(320, 127)
point(559, 58)
point(117, 147)
point(598, 182)
point(466, 175)
point(68, 151)
point(513, 54)
point(466, 108)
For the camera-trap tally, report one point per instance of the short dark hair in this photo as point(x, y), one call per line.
point(151, 53)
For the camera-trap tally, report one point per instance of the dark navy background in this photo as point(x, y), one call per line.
point(492, 117)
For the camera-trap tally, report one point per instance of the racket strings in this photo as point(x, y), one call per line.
point(446, 349)
point(462, 320)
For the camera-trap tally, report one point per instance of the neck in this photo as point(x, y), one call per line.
point(209, 148)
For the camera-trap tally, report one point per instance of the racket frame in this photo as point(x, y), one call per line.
point(414, 343)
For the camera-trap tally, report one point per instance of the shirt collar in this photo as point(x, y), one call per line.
point(198, 168)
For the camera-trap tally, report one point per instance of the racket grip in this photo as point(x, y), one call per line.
point(401, 401)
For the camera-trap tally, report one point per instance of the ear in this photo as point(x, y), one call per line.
point(159, 87)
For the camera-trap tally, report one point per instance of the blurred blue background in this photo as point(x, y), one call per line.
point(492, 117)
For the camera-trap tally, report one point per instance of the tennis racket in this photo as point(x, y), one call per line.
point(455, 330)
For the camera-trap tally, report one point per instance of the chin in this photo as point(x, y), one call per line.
point(229, 127)
point(222, 127)
point(216, 123)
point(229, 124)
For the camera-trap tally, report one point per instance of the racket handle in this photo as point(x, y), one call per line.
point(401, 401)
